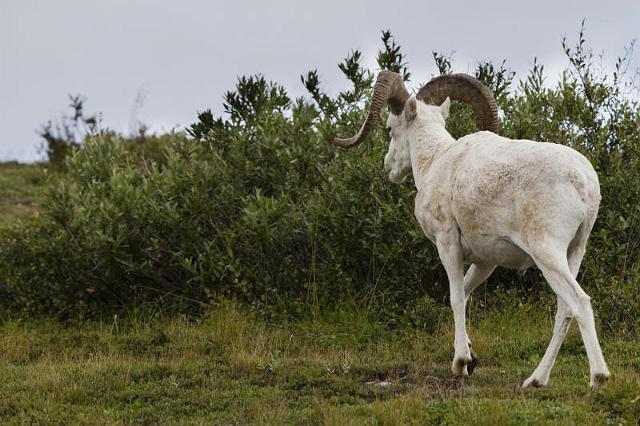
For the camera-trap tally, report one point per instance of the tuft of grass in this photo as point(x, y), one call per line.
point(342, 368)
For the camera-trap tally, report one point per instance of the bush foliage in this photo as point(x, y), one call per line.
point(256, 205)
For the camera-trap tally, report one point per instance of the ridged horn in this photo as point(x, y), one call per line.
point(388, 89)
point(463, 87)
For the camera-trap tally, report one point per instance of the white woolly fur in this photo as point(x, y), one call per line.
point(488, 201)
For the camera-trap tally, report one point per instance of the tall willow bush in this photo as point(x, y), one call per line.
point(257, 206)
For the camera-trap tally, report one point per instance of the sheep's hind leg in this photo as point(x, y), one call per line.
point(555, 268)
point(540, 377)
point(475, 276)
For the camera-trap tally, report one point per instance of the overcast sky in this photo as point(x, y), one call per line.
point(179, 57)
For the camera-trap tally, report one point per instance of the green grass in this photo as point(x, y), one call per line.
point(229, 368)
point(21, 188)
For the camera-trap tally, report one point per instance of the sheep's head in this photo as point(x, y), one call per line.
point(405, 109)
point(402, 128)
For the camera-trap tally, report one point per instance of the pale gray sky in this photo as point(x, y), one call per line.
point(183, 55)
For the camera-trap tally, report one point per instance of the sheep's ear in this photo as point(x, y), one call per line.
point(445, 107)
point(410, 109)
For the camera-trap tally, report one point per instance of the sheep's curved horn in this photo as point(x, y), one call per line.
point(389, 89)
point(463, 87)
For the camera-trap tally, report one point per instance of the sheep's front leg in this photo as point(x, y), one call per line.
point(450, 254)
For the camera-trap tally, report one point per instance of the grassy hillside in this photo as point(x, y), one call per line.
point(21, 188)
point(346, 368)
point(229, 368)
point(257, 206)
point(252, 273)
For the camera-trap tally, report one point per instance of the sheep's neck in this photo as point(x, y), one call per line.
point(426, 146)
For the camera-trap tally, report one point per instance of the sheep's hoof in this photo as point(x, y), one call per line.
point(533, 383)
point(599, 381)
point(464, 367)
point(473, 364)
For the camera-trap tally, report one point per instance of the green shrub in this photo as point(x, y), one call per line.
point(61, 138)
point(259, 207)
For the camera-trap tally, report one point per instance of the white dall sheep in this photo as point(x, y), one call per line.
point(489, 201)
